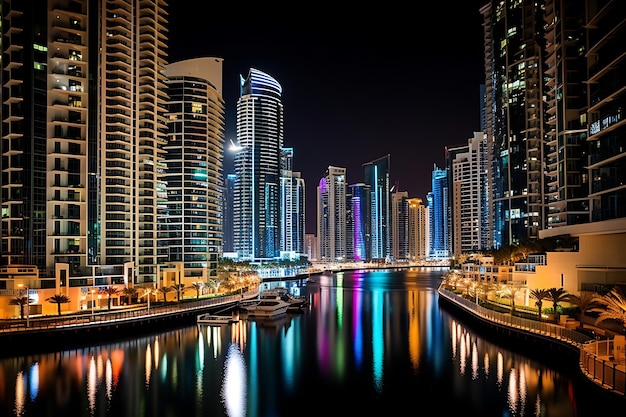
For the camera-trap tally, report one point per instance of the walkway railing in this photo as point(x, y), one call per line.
point(596, 356)
point(128, 313)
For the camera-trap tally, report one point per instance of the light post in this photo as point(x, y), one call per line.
point(92, 313)
point(27, 304)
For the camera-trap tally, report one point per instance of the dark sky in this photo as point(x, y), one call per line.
point(356, 86)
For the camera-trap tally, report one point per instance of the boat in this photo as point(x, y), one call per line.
point(265, 308)
point(216, 319)
point(296, 303)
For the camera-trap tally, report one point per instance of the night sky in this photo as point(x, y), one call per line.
point(356, 86)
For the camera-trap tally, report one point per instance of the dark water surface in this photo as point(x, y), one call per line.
point(370, 343)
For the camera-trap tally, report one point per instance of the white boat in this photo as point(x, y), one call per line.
point(216, 320)
point(266, 308)
point(296, 304)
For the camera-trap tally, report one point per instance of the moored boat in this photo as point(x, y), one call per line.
point(266, 308)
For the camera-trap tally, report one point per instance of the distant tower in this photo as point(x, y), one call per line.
point(331, 215)
point(377, 173)
point(438, 214)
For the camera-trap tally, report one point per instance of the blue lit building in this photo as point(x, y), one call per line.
point(438, 215)
point(376, 175)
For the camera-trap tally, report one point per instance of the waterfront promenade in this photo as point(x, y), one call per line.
point(596, 359)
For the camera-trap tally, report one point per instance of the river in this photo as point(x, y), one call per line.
point(369, 342)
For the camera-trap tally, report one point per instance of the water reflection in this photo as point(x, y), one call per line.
point(376, 341)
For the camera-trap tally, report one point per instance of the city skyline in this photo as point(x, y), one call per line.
point(353, 92)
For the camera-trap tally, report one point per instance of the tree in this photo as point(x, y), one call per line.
point(129, 292)
point(585, 302)
point(539, 295)
point(556, 296)
point(180, 289)
point(110, 291)
point(510, 291)
point(58, 299)
point(197, 286)
point(164, 291)
point(21, 300)
point(614, 306)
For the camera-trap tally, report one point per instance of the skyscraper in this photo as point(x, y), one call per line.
point(377, 176)
point(257, 166)
point(292, 206)
point(438, 214)
point(85, 128)
point(195, 152)
point(514, 66)
point(331, 215)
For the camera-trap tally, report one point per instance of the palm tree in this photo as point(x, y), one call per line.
point(614, 306)
point(180, 289)
point(58, 299)
point(556, 296)
point(21, 300)
point(129, 292)
point(110, 291)
point(510, 291)
point(197, 286)
point(164, 291)
point(539, 295)
point(585, 302)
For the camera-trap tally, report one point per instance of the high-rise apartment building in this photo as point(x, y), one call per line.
point(228, 241)
point(470, 195)
point(514, 66)
point(83, 134)
point(257, 167)
point(567, 180)
point(438, 215)
point(331, 215)
point(377, 175)
point(360, 205)
point(606, 108)
point(400, 226)
point(292, 206)
point(192, 223)
point(418, 233)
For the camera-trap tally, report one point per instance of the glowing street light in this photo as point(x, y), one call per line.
point(27, 304)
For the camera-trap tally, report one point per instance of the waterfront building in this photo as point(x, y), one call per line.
point(417, 230)
point(439, 215)
point(514, 70)
point(470, 198)
point(360, 197)
point(83, 136)
point(192, 224)
point(228, 241)
point(400, 226)
point(260, 127)
point(331, 216)
point(377, 175)
point(292, 205)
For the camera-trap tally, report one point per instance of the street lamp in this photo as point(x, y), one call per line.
point(92, 291)
point(27, 304)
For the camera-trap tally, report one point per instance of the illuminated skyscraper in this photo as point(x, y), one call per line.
point(377, 176)
point(331, 215)
point(83, 136)
point(438, 214)
point(257, 166)
point(292, 204)
point(195, 153)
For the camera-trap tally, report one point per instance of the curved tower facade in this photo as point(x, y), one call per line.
point(257, 166)
point(192, 232)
